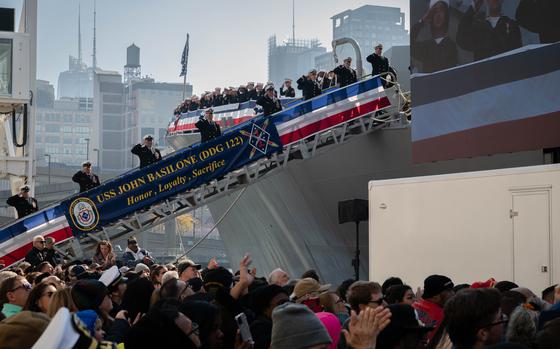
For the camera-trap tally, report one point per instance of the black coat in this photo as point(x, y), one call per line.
point(270, 106)
point(309, 88)
point(477, 35)
point(147, 157)
point(85, 181)
point(379, 64)
point(327, 83)
point(252, 95)
point(23, 206)
point(217, 101)
point(35, 257)
point(540, 16)
point(345, 76)
point(208, 130)
point(53, 257)
point(431, 55)
point(289, 92)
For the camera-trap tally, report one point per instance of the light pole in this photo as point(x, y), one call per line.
point(87, 149)
point(49, 156)
point(97, 163)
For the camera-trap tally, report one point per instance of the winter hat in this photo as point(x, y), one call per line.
point(88, 317)
point(219, 277)
point(436, 284)
point(484, 284)
point(261, 297)
point(88, 294)
point(332, 324)
point(22, 329)
point(140, 267)
point(295, 326)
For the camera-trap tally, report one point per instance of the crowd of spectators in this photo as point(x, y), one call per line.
point(131, 301)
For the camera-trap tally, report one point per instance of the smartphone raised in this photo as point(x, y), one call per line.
point(244, 330)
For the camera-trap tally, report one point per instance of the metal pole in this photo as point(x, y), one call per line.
point(357, 260)
point(184, 86)
point(87, 149)
point(294, 22)
point(97, 163)
point(49, 156)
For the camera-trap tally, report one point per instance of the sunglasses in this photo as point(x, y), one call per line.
point(378, 301)
point(25, 286)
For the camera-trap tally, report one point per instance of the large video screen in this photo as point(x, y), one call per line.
point(449, 33)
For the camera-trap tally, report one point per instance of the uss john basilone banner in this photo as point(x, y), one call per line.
point(186, 169)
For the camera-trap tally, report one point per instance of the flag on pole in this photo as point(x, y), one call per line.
point(185, 58)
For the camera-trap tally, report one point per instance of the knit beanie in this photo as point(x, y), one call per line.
point(295, 326)
point(88, 294)
point(88, 317)
point(332, 324)
point(22, 329)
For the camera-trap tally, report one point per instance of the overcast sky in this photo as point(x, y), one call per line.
point(228, 39)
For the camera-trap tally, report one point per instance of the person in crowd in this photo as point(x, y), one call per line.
point(343, 289)
point(147, 152)
point(259, 90)
point(44, 267)
point(14, 292)
point(308, 85)
point(511, 300)
point(23, 202)
point(209, 321)
point(332, 303)
point(61, 299)
point(269, 102)
point(104, 255)
point(40, 297)
point(91, 294)
point(333, 326)
point(380, 66)
point(134, 254)
point(522, 326)
point(345, 74)
point(188, 270)
point(264, 301)
point(217, 98)
point(295, 326)
point(116, 287)
point(194, 103)
point(242, 95)
point(438, 289)
point(170, 274)
point(156, 275)
point(474, 319)
point(86, 178)
point(439, 52)
point(505, 285)
point(549, 336)
point(404, 330)
point(400, 294)
point(286, 90)
point(329, 80)
point(551, 312)
point(540, 16)
point(209, 129)
point(51, 255)
point(311, 273)
point(548, 294)
point(23, 330)
point(251, 92)
point(278, 277)
point(142, 270)
point(163, 327)
point(37, 254)
point(307, 291)
point(172, 288)
point(490, 36)
point(136, 298)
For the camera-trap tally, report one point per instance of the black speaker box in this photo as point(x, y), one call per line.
point(7, 17)
point(355, 210)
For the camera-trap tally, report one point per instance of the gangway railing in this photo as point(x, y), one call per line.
point(265, 146)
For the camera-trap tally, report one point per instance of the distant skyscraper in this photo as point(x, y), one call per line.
point(291, 59)
point(76, 82)
point(368, 25)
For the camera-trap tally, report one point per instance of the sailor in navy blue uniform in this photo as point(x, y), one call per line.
point(85, 178)
point(345, 74)
point(269, 102)
point(207, 127)
point(147, 152)
point(23, 203)
point(287, 90)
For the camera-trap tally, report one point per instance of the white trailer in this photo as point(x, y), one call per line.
point(469, 226)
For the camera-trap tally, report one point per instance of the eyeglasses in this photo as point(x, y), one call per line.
point(378, 301)
point(194, 329)
point(503, 319)
point(25, 286)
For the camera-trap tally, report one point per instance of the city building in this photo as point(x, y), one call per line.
point(368, 25)
point(291, 59)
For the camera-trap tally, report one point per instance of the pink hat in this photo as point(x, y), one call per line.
point(332, 324)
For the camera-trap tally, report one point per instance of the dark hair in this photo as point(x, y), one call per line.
point(36, 294)
point(510, 300)
point(395, 294)
point(549, 336)
point(41, 277)
point(360, 293)
point(392, 281)
point(469, 311)
point(7, 286)
point(548, 291)
point(31, 277)
point(41, 265)
point(156, 268)
point(343, 288)
point(136, 298)
point(460, 287)
point(311, 273)
point(204, 314)
point(503, 286)
point(261, 298)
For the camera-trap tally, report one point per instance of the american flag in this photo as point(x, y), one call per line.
point(185, 58)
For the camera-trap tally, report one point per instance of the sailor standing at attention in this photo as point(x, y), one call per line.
point(146, 152)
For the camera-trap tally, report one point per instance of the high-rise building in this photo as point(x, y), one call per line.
point(76, 82)
point(368, 25)
point(291, 59)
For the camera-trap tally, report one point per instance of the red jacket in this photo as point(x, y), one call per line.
point(430, 313)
